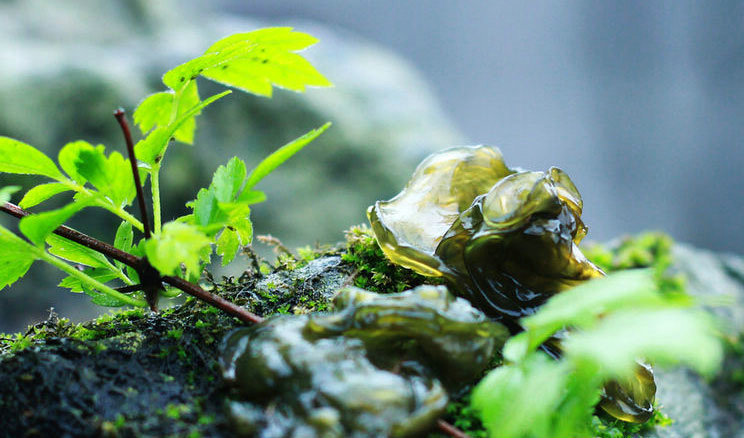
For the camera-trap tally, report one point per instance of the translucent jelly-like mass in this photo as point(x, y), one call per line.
point(381, 365)
point(505, 239)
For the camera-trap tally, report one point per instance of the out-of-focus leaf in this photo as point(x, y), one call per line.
point(268, 164)
point(18, 157)
point(177, 244)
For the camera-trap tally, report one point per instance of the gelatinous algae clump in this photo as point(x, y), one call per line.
point(381, 365)
point(505, 239)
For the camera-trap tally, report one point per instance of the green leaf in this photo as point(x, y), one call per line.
point(111, 175)
point(268, 164)
point(518, 401)
point(177, 244)
point(102, 299)
point(228, 245)
point(18, 157)
point(6, 191)
point(250, 197)
point(75, 284)
point(41, 193)
point(228, 179)
point(75, 252)
point(238, 218)
point(669, 336)
point(252, 62)
point(151, 149)
point(579, 307)
point(156, 110)
point(40, 225)
point(123, 240)
point(67, 157)
point(15, 258)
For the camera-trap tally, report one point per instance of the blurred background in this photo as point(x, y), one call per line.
point(641, 103)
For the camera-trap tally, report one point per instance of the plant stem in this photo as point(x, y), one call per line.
point(121, 118)
point(78, 237)
point(155, 188)
point(215, 300)
point(450, 429)
point(95, 284)
point(136, 263)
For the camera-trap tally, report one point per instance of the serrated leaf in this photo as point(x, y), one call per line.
point(268, 164)
point(205, 208)
point(253, 62)
point(228, 245)
point(177, 244)
point(67, 157)
point(74, 284)
point(40, 225)
point(123, 240)
point(6, 191)
point(41, 193)
point(102, 299)
point(151, 148)
point(154, 111)
point(228, 179)
point(238, 218)
point(15, 258)
point(18, 157)
point(75, 252)
point(111, 175)
point(189, 99)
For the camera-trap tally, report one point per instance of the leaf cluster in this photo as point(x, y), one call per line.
point(254, 62)
point(612, 322)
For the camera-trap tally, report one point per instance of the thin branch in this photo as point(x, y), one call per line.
point(121, 118)
point(78, 237)
point(450, 429)
point(215, 300)
point(140, 264)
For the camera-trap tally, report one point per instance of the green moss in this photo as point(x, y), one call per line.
point(372, 270)
point(175, 333)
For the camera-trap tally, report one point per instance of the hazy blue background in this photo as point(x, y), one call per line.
point(642, 103)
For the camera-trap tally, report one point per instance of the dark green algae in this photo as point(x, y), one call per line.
point(505, 239)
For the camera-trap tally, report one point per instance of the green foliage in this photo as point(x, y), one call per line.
point(534, 396)
point(253, 62)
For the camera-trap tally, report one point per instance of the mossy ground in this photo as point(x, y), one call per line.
point(133, 373)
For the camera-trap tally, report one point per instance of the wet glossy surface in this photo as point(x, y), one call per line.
point(382, 365)
point(505, 239)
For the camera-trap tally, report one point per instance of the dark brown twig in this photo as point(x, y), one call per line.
point(450, 429)
point(121, 118)
point(138, 263)
point(78, 237)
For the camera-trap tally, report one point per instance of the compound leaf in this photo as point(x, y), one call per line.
point(253, 62)
point(18, 157)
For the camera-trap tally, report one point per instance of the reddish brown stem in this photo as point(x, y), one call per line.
point(450, 429)
point(138, 263)
point(121, 118)
point(83, 239)
point(215, 300)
